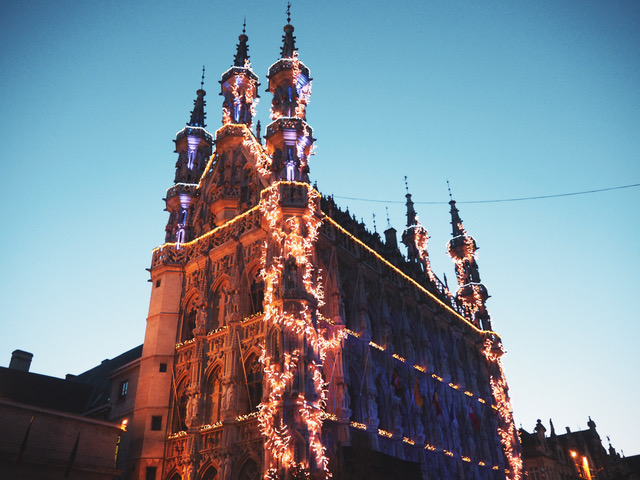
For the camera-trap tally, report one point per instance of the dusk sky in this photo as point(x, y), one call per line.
point(505, 99)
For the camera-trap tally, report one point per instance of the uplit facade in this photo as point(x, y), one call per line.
point(286, 341)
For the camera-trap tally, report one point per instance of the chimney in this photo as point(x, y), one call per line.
point(20, 360)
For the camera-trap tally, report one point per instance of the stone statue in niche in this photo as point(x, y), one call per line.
point(291, 275)
point(192, 410)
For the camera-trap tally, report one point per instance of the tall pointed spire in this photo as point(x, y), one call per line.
point(197, 114)
point(240, 86)
point(242, 53)
point(288, 40)
point(411, 213)
point(471, 294)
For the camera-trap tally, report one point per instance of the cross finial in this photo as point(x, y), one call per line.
point(374, 223)
point(449, 188)
point(406, 185)
point(202, 81)
point(244, 25)
point(288, 12)
point(388, 221)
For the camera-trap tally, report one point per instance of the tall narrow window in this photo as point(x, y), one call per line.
point(188, 324)
point(253, 369)
point(123, 389)
point(257, 296)
point(213, 398)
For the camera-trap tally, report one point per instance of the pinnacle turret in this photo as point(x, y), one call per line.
point(289, 137)
point(239, 86)
point(471, 294)
point(194, 147)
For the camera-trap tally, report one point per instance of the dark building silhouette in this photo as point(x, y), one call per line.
point(573, 455)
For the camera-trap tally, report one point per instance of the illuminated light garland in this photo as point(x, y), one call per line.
point(351, 332)
point(171, 436)
point(506, 428)
point(379, 347)
point(249, 92)
point(209, 233)
point(421, 239)
point(408, 440)
point(437, 377)
point(210, 426)
point(398, 357)
point(420, 369)
point(358, 425)
point(384, 433)
point(402, 274)
point(292, 239)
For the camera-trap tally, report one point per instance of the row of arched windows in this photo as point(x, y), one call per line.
point(220, 307)
point(249, 395)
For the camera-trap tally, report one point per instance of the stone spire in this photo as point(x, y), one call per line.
point(411, 213)
point(288, 40)
point(471, 294)
point(197, 114)
point(242, 53)
point(415, 236)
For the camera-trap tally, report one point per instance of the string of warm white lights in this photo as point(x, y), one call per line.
point(506, 427)
point(423, 369)
point(400, 272)
point(291, 247)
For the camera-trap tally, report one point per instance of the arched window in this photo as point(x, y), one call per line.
point(355, 402)
point(249, 471)
point(275, 346)
point(213, 398)
point(381, 402)
point(257, 295)
point(210, 474)
point(188, 323)
point(253, 394)
point(180, 409)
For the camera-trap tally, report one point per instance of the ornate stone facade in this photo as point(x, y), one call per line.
point(286, 341)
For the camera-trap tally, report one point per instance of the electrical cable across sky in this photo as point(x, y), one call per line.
point(502, 200)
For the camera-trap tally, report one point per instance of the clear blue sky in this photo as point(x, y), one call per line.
point(504, 99)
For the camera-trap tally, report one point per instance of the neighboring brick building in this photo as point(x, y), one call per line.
point(44, 433)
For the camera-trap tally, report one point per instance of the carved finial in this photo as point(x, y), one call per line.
point(374, 223)
point(288, 12)
point(388, 221)
point(449, 188)
point(406, 185)
point(244, 25)
point(202, 81)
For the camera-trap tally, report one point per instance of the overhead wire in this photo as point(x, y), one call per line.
point(499, 200)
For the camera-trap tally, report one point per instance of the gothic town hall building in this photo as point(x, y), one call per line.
point(285, 341)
